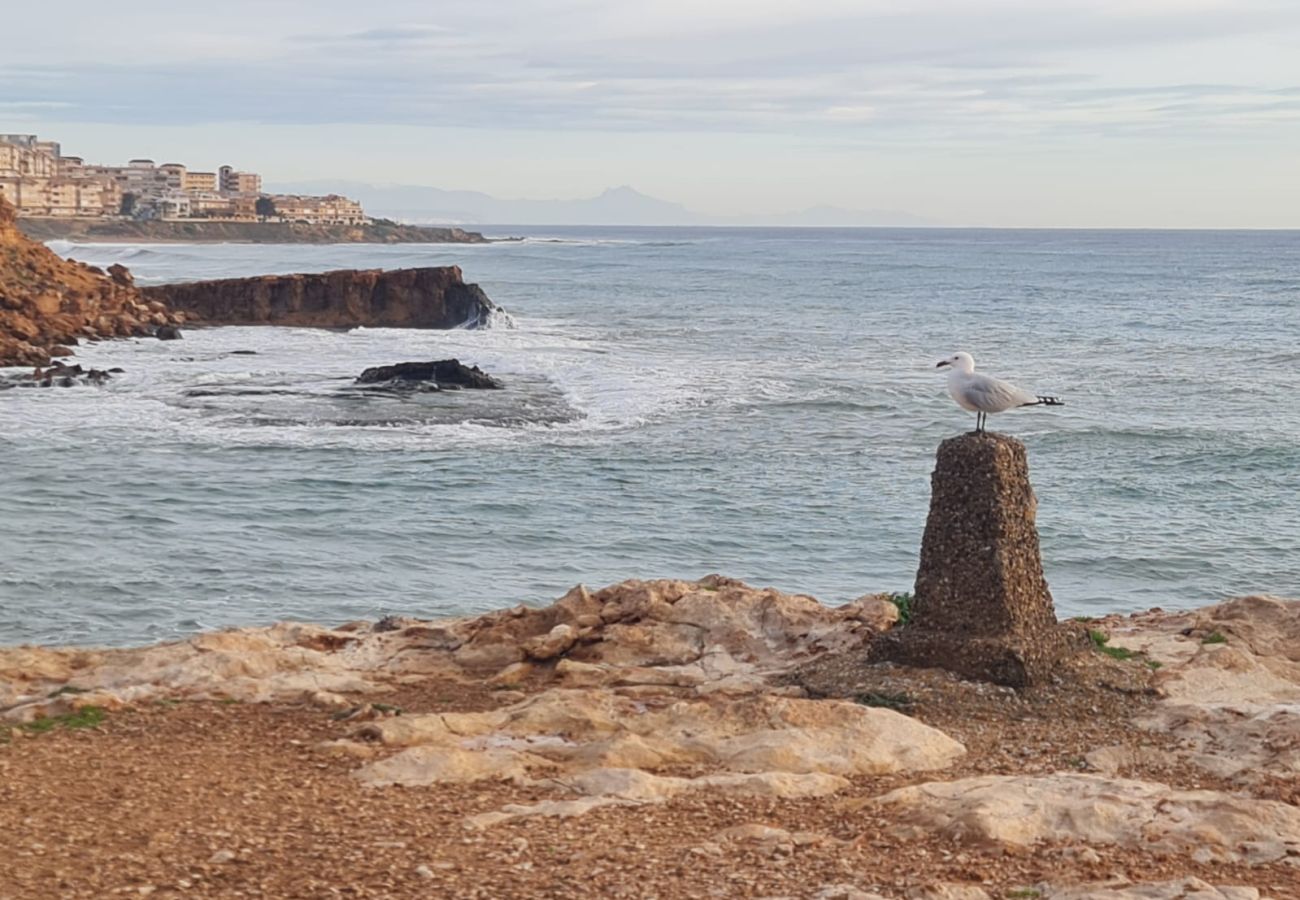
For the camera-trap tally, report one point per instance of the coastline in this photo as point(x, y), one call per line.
point(110, 231)
point(663, 738)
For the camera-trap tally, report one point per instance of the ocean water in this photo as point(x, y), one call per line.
point(757, 402)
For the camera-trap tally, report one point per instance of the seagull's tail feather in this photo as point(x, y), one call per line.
point(1047, 401)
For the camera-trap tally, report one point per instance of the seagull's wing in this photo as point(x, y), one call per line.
point(991, 395)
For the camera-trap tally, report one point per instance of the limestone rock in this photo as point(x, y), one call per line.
point(552, 644)
point(1023, 810)
point(947, 891)
point(1186, 889)
point(981, 606)
point(845, 892)
point(445, 765)
point(1230, 683)
point(774, 746)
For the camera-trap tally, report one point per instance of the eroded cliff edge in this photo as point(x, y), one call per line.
point(435, 297)
point(48, 304)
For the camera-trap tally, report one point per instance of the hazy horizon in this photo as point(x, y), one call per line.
point(1141, 114)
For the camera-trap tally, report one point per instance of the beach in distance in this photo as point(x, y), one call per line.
point(758, 402)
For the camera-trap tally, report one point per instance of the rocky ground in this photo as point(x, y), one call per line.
point(48, 304)
point(661, 739)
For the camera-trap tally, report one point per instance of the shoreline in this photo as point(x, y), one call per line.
point(110, 231)
point(665, 737)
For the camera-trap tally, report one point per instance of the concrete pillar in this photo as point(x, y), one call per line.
point(981, 607)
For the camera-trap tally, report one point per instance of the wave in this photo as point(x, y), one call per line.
point(605, 242)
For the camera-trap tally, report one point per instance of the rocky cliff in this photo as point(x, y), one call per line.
point(110, 230)
point(399, 298)
point(48, 303)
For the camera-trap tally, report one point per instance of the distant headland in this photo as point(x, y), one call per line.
point(155, 231)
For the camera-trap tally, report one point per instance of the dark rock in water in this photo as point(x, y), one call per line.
point(167, 333)
point(446, 373)
point(58, 375)
point(981, 607)
point(243, 352)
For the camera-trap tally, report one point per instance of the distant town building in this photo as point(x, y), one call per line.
point(233, 182)
point(40, 181)
point(198, 182)
point(328, 210)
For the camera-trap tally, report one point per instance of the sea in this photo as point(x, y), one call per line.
point(760, 403)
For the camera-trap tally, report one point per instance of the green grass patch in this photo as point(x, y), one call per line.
point(1101, 642)
point(886, 699)
point(1214, 638)
point(902, 600)
point(86, 717)
point(1023, 893)
point(1153, 664)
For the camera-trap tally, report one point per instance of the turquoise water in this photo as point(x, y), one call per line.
point(756, 402)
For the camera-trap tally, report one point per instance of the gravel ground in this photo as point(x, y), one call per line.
point(233, 800)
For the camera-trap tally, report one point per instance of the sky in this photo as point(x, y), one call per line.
point(1128, 113)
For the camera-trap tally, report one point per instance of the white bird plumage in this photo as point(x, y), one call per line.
point(983, 394)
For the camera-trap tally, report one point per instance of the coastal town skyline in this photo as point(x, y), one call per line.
point(40, 180)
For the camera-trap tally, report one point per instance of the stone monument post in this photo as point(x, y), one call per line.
point(981, 607)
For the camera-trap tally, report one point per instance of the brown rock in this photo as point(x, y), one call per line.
point(121, 275)
point(47, 302)
point(981, 608)
point(435, 297)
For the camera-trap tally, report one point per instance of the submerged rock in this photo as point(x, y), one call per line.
point(58, 374)
point(445, 373)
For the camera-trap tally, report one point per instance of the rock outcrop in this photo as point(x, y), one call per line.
point(48, 304)
point(443, 373)
point(981, 606)
point(645, 678)
point(673, 713)
point(1211, 826)
point(58, 374)
point(434, 297)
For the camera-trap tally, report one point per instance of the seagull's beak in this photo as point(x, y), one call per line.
point(941, 363)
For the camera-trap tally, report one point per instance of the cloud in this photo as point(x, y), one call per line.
point(869, 70)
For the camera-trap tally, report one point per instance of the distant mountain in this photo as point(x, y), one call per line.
point(421, 204)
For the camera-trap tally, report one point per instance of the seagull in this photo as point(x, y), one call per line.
point(984, 394)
